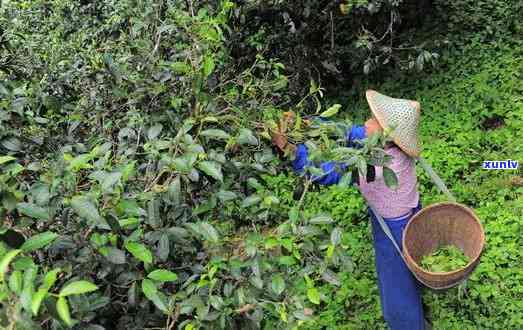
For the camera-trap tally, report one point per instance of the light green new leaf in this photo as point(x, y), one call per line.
point(6, 260)
point(81, 162)
point(37, 299)
point(313, 295)
point(180, 67)
point(391, 180)
point(321, 219)
point(62, 307)
point(278, 284)
point(77, 287)
point(208, 65)
point(331, 111)
point(151, 292)
point(212, 169)
point(33, 211)
point(39, 241)
point(162, 275)
point(50, 278)
point(139, 251)
point(5, 159)
point(15, 282)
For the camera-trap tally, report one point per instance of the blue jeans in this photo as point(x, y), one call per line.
point(399, 290)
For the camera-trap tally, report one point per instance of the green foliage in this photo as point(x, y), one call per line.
point(134, 158)
point(334, 41)
point(444, 259)
point(20, 298)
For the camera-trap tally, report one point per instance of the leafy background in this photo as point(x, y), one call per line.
point(136, 164)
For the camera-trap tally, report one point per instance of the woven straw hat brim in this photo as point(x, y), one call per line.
point(404, 113)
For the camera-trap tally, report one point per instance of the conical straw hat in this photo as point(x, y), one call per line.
point(399, 115)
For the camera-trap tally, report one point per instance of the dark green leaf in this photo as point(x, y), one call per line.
point(109, 180)
point(212, 169)
point(153, 213)
point(154, 131)
point(278, 284)
point(86, 209)
point(116, 256)
point(33, 210)
point(246, 137)
point(151, 292)
point(39, 241)
point(391, 180)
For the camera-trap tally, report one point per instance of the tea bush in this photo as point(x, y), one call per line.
point(135, 161)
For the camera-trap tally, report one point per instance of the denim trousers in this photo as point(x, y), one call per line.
point(399, 290)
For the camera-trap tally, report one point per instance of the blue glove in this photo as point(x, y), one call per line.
point(333, 171)
point(356, 133)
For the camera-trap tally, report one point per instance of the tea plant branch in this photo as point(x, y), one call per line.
point(305, 189)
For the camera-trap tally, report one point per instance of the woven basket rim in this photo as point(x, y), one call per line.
point(470, 264)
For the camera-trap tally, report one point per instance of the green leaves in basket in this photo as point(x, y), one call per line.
point(445, 259)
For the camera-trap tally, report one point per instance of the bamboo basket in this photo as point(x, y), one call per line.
point(441, 224)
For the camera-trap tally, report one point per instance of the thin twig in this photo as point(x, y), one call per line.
point(305, 189)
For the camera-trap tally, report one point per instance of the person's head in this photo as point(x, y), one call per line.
point(372, 125)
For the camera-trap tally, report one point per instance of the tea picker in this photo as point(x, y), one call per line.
point(403, 232)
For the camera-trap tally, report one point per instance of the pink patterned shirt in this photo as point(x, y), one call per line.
point(393, 203)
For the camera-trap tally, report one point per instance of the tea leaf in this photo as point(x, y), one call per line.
point(77, 287)
point(391, 180)
point(39, 241)
point(212, 169)
point(33, 210)
point(278, 284)
point(215, 134)
point(162, 275)
point(62, 307)
point(139, 251)
point(86, 209)
point(313, 295)
point(151, 292)
point(5, 261)
point(331, 111)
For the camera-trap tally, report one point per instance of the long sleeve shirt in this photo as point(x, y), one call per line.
point(388, 202)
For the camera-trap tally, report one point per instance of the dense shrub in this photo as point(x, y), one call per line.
point(134, 155)
point(333, 42)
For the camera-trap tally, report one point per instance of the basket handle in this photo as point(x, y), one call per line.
point(436, 179)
